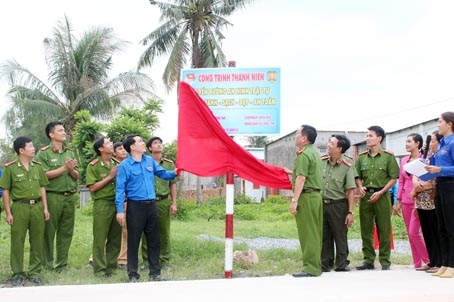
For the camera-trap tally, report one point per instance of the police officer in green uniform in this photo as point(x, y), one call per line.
point(166, 201)
point(338, 203)
point(24, 198)
point(100, 179)
point(306, 202)
point(377, 173)
point(60, 166)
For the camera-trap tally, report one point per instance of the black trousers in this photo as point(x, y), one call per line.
point(142, 217)
point(334, 236)
point(429, 227)
point(444, 206)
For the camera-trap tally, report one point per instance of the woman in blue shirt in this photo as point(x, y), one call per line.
point(444, 195)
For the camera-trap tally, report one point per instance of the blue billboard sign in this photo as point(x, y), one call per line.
point(245, 101)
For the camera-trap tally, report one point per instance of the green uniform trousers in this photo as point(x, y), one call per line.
point(379, 213)
point(163, 207)
point(31, 218)
point(309, 223)
point(59, 229)
point(106, 237)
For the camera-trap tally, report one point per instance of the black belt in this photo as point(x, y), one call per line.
point(331, 201)
point(310, 190)
point(147, 201)
point(373, 190)
point(161, 197)
point(68, 193)
point(28, 201)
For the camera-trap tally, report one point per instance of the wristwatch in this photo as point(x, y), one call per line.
point(350, 212)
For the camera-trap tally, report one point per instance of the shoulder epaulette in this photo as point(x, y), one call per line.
point(346, 162)
point(67, 148)
point(167, 160)
point(44, 148)
point(299, 151)
point(349, 157)
point(115, 160)
point(93, 162)
point(10, 163)
point(325, 157)
point(36, 162)
point(389, 152)
point(364, 152)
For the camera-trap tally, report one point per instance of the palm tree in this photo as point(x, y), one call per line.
point(78, 79)
point(191, 28)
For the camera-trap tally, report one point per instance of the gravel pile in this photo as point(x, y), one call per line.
point(265, 243)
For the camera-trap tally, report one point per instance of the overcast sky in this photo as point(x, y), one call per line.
point(345, 65)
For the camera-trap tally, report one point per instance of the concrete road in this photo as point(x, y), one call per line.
point(398, 284)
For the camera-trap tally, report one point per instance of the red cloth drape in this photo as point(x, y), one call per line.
point(205, 149)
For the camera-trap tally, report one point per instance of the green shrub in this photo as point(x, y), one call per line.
point(275, 199)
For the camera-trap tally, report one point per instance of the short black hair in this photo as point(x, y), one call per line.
point(151, 140)
point(20, 142)
point(98, 144)
point(378, 131)
point(342, 141)
point(51, 126)
point(310, 132)
point(128, 141)
point(117, 145)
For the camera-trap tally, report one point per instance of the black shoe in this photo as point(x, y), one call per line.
point(343, 269)
point(326, 270)
point(89, 264)
point(302, 274)
point(133, 279)
point(157, 278)
point(122, 266)
point(18, 281)
point(385, 267)
point(365, 266)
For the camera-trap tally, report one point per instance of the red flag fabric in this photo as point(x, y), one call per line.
point(205, 149)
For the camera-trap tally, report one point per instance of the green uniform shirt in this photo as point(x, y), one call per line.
point(97, 170)
point(21, 183)
point(51, 159)
point(309, 164)
point(377, 171)
point(162, 186)
point(337, 177)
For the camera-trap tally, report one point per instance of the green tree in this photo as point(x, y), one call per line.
point(6, 151)
point(78, 79)
point(190, 29)
point(257, 141)
point(142, 121)
point(170, 150)
point(86, 131)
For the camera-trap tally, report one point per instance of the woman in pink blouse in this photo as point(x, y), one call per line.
point(405, 202)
